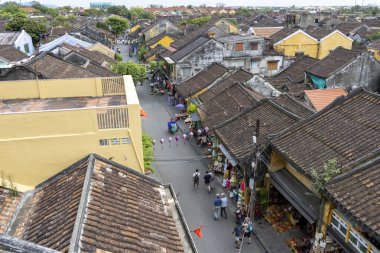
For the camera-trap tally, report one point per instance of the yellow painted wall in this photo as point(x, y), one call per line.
point(165, 42)
point(326, 217)
point(134, 28)
point(227, 27)
point(37, 145)
point(298, 42)
point(333, 41)
point(98, 47)
point(51, 88)
point(376, 53)
point(49, 141)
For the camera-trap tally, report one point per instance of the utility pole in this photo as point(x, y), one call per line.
point(254, 168)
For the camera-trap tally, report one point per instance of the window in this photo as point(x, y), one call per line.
point(316, 20)
point(115, 141)
point(254, 64)
point(26, 48)
point(272, 65)
point(358, 242)
point(239, 47)
point(104, 142)
point(254, 45)
point(125, 141)
point(339, 225)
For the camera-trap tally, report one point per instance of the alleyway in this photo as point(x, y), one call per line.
point(196, 204)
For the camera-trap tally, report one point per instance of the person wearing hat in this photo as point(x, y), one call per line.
point(223, 212)
point(217, 206)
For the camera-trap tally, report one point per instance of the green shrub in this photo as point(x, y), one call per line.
point(147, 151)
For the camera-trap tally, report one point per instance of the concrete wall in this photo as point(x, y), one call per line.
point(210, 52)
point(17, 73)
point(259, 85)
point(24, 39)
point(227, 27)
point(362, 72)
point(229, 48)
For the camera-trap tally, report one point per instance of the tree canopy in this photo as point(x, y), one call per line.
point(117, 25)
point(11, 10)
point(137, 71)
point(32, 27)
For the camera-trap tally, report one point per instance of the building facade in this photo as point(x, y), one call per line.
point(64, 120)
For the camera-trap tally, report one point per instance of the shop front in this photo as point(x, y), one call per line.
point(293, 210)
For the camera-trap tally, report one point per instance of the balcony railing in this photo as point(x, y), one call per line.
point(113, 86)
point(112, 118)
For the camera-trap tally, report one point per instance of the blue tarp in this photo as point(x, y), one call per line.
point(319, 83)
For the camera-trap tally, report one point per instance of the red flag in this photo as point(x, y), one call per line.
point(198, 231)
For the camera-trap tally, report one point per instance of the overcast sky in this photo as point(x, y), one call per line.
point(146, 3)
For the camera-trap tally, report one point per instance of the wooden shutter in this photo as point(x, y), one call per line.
point(272, 65)
point(254, 46)
point(239, 46)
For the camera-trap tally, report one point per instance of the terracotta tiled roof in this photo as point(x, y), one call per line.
point(8, 38)
point(237, 133)
point(266, 32)
point(282, 34)
point(238, 76)
point(97, 205)
point(225, 105)
point(375, 45)
point(293, 105)
point(8, 206)
point(201, 80)
point(348, 130)
point(357, 194)
point(296, 71)
point(335, 61)
point(12, 54)
point(319, 99)
point(99, 70)
point(52, 67)
point(279, 82)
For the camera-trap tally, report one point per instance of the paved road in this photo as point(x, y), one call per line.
point(124, 51)
point(196, 204)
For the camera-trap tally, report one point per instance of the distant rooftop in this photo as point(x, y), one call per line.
point(36, 104)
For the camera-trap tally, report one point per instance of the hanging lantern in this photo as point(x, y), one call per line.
point(162, 142)
point(206, 129)
point(199, 132)
point(177, 139)
point(184, 138)
point(154, 142)
point(191, 134)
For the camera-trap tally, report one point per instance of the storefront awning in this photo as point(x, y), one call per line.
point(304, 200)
point(227, 154)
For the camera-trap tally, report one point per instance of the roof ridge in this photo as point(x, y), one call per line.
point(298, 102)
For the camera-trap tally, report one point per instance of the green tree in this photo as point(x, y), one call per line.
point(140, 54)
point(119, 10)
point(103, 26)
point(330, 170)
point(11, 10)
point(147, 15)
point(199, 21)
point(117, 24)
point(32, 27)
point(130, 68)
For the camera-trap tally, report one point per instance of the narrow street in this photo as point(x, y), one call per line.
point(196, 204)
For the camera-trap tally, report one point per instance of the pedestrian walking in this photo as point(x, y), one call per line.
point(217, 206)
point(207, 179)
point(238, 230)
point(196, 176)
point(239, 215)
point(248, 229)
point(223, 211)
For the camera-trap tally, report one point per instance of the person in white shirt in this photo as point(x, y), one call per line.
point(224, 206)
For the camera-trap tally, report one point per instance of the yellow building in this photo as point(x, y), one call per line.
point(45, 125)
point(290, 43)
point(163, 40)
point(134, 28)
point(331, 41)
point(375, 49)
point(314, 42)
point(99, 47)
